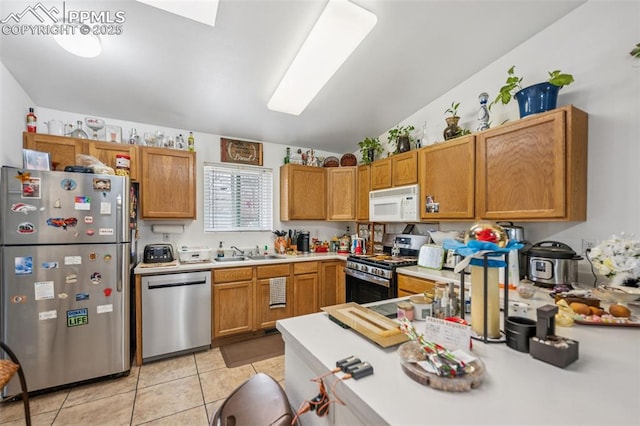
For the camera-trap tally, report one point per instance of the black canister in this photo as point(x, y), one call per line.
point(303, 242)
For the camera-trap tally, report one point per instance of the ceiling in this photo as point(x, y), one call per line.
point(170, 71)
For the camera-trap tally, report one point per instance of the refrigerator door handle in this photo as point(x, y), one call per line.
point(123, 265)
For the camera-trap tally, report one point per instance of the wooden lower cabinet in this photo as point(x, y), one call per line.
point(265, 315)
point(305, 288)
point(233, 295)
point(332, 283)
point(408, 285)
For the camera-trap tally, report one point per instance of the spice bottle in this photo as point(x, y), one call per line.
point(32, 121)
point(191, 142)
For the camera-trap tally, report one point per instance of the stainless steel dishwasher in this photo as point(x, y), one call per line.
point(176, 313)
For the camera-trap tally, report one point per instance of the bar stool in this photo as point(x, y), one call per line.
point(258, 401)
point(8, 369)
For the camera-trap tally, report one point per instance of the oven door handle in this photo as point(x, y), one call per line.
point(367, 277)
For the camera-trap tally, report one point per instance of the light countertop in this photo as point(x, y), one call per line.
point(601, 387)
point(186, 267)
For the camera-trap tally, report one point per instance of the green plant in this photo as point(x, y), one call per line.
point(398, 132)
point(453, 109)
point(636, 51)
point(514, 84)
point(368, 144)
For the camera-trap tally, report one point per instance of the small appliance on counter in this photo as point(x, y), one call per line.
point(158, 253)
point(551, 263)
point(194, 254)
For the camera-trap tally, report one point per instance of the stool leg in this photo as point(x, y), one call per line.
point(23, 383)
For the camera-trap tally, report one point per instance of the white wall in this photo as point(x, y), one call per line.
point(592, 43)
point(14, 106)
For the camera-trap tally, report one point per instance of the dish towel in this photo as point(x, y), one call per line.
point(277, 292)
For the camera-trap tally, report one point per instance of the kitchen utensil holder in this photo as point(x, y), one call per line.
point(505, 305)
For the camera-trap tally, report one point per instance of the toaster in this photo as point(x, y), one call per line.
point(158, 253)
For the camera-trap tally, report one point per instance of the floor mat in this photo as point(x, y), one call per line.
point(241, 353)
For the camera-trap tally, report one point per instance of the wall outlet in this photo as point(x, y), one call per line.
point(587, 244)
point(165, 238)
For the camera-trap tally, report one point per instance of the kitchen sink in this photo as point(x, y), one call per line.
point(264, 256)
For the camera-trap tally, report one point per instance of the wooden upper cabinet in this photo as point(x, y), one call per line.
point(341, 196)
point(447, 173)
point(303, 192)
point(168, 183)
point(381, 174)
point(362, 192)
point(107, 152)
point(404, 168)
point(534, 168)
point(62, 150)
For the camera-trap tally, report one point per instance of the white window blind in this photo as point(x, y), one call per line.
point(237, 198)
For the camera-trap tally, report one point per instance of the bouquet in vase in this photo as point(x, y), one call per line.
point(618, 259)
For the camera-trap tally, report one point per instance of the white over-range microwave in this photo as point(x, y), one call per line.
point(399, 204)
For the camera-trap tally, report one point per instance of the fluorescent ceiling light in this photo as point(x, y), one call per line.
point(340, 29)
point(203, 11)
point(83, 45)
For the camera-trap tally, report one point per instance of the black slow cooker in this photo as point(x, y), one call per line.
point(550, 263)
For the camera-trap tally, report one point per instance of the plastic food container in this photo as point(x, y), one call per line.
point(194, 254)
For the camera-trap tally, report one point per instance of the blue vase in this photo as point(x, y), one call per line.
point(540, 97)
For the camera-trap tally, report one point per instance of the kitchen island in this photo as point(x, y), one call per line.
point(601, 387)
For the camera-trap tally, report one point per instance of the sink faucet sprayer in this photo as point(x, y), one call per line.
point(239, 251)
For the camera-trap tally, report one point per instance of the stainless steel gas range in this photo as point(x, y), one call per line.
point(371, 278)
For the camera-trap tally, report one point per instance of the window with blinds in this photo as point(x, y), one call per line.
point(237, 198)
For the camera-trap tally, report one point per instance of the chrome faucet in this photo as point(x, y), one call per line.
point(239, 251)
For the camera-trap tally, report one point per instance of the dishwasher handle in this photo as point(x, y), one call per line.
point(177, 284)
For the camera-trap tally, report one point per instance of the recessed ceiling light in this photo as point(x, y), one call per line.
point(83, 45)
point(340, 29)
point(203, 11)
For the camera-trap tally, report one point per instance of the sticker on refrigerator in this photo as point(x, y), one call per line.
point(105, 207)
point(68, 184)
point(71, 278)
point(93, 256)
point(19, 298)
point(107, 291)
point(105, 231)
point(88, 219)
point(44, 290)
point(76, 317)
point(64, 223)
point(82, 203)
point(23, 265)
point(96, 277)
point(73, 260)
point(82, 296)
point(26, 228)
point(107, 258)
point(62, 296)
point(31, 188)
point(102, 309)
point(101, 184)
point(57, 204)
point(47, 315)
point(23, 208)
point(90, 232)
point(50, 265)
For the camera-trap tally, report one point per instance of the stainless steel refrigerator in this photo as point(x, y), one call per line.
point(64, 294)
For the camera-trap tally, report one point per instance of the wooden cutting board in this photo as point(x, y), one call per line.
point(376, 327)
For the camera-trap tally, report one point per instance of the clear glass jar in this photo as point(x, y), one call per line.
point(78, 132)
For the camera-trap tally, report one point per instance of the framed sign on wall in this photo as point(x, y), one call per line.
point(243, 152)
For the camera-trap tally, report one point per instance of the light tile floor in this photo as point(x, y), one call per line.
point(178, 391)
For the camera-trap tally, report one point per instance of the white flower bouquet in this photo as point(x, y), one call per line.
point(618, 259)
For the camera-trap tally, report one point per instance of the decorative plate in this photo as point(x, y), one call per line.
point(331, 162)
point(348, 159)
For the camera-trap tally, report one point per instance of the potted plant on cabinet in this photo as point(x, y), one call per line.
point(400, 136)
point(452, 130)
point(370, 148)
point(540, 97)
point(636, 51)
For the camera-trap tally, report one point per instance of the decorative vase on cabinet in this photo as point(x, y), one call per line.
point(404, 144)
point(452, 130)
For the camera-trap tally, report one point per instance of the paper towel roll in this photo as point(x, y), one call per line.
point(167, 229)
